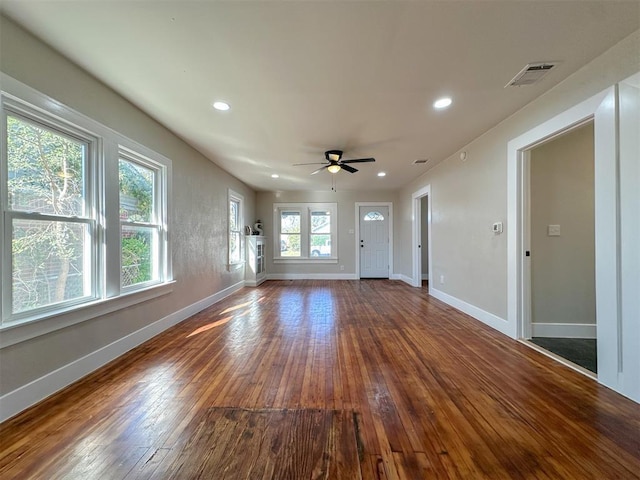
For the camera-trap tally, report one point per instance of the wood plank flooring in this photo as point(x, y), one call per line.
point(434, 394)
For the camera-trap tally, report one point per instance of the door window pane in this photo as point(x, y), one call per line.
point(373, 217)
point(50, 263)
point(45, 170)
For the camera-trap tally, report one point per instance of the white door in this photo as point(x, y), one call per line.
point(374, 242)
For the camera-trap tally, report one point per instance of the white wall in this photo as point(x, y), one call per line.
point(197, 229)
point(563, 267)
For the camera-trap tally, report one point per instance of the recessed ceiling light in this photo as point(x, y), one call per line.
point(382, 174)
point(221, 106)
point(275, 175)
point(442, 103)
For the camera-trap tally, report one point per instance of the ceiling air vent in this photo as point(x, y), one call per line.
point(530, 74)
point(420, 161)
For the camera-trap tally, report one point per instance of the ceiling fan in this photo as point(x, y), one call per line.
point(335, 162)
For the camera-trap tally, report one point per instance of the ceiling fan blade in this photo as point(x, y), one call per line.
point(319, 170)
point(348, 168)
point(312, 163)
point(359, 160)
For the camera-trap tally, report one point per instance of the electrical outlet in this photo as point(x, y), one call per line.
point(341, 267)
point(441, 279)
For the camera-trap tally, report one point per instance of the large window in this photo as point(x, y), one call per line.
point(306, 232)
point(49, 215)
point(62, 177)
point(236, 206)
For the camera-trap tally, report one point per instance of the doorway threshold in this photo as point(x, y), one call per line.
point(558, 358)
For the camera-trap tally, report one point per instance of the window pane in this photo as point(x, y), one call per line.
point(320, 222)
point(290, 222)
point(139, 247)
point(373, 217)
point(45, 170)
point(320, 245)
point(136, 192)
point(234, 247)
point(49, 263)
point(289, 245)
point(234, 208)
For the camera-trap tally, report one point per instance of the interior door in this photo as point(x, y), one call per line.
point(374, 242)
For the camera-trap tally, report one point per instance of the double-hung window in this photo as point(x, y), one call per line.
point(306, 232)
point(49, 214)
point(236, 207)
point(65, 246)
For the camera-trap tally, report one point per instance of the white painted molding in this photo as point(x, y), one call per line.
point(425, 276)
point(22, 398)
point(490, 319)
point(311, 276)
point(405, 279)
point(563, 330)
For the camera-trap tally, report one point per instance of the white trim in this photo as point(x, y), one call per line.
point(488, 318)
point(22, 398)
point(311, 276)
point(20, 332)
point(416, 233)
point(516, 150)
point(357, 234)
point(404, 278)
point(563, 330)
point(425, 276)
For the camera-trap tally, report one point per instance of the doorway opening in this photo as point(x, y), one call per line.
point(422, 237)
point(559, 226)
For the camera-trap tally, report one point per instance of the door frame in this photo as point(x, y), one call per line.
point(357, 233)
point(416, 235)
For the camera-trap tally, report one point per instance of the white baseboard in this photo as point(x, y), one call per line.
point(490, 319)
point(311, 276)
point(22, 398)
point(563, 330)
point(425, 276)
point(405, 279)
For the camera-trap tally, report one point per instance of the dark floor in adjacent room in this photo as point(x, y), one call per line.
point(581, 351)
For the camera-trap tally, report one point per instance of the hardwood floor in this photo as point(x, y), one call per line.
point(434, 393)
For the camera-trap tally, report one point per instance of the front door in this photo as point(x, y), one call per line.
point(374, 242)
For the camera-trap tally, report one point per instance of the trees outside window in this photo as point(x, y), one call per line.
point(50, 210)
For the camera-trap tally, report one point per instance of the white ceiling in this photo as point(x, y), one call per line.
point(303, 77)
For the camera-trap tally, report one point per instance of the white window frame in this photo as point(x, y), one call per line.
point(305, 210)
point(234, 196)
point(157, 223)
point(102, 186)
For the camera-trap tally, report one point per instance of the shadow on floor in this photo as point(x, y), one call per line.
point(581, 351)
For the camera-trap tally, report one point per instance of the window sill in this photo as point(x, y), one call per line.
point(318, 260)
point(35, 327)
point(231, 267)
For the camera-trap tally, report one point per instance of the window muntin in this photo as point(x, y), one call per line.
point(306, 232)
point(47, 216)
point(140, 261)
point(236, 206)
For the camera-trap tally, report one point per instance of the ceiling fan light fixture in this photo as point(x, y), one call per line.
point(334, 168)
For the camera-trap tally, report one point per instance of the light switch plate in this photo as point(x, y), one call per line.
point(553, 230)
